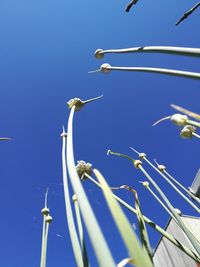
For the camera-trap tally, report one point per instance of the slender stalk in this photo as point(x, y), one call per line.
point(190, 236)
point(99, 244)
point(45, 244)
point(182, 187)
point(70, 219)
point(92, 99)
point(174, 187)
point(188, 13)
point(80, 230)
point(193, 123)
point(181, 51)
point(196, 135)
point(156, 227)
point(180, 73)
point(186, 111)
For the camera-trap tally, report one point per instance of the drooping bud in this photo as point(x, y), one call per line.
point(179, 119)
point(82, 167)
point(187, 131)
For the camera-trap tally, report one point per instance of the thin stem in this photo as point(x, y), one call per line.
point(80, 230)
point(92, 99)
point(196, 135)
point(97, 239)
point(120, 155)
point(190, 236)
point(193, 123)
point(45, 244)
point(156, 227)
point(46, 197)
point(182, 187)
point(70, 220)
point(182, 51)
point(186, 111)
point(180, 73)
point(188, 13)
point(172, 185)
point(43, 241)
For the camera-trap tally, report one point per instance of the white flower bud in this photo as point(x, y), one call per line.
point(74, 198)
point(98, 53)
point(179, 119)
point(187, 131)
point(104, 68)
point(161, 168)
point(137, 163)
point(77, 102)
point(64, 135)
point(83, 167)
point(142, 155)
point(49, 219)
point(145, 184)
point(178, 211)
point(45, 211)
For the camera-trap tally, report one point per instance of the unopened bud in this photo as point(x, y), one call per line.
point(179, 119)
point(187, 131)
point(142, 155)
point(49, 219)
point(82, 167)
point(137, 163)
point(98, 53)
point(105, 68)
point(45, 211)
point(161, 168)
point(77, 102)
point(145, 184)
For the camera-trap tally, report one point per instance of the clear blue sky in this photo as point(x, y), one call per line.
point(46, 51)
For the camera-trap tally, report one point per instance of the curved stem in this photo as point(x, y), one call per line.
point(182, 51)
point(180, 73)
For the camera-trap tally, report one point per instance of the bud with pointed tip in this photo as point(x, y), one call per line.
point(145, 184)
point(187, 131)
point(45, 211)
point(137, 163)
point(49, 219)
point(161, 168)
point(99, 53)
point(105, 68)
point(142, 155)
point(179, 119)
point(82, 167)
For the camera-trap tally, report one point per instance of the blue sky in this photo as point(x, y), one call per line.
point(46, 51)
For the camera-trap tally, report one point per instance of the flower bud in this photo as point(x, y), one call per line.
point(82, 167)
point(64, 135)
point(45, 211)
point(104, 68)
point(161, 168)
point(142, 155)
point(77, 102)
point(137, 163)
point(179, 119)
point(74, 198)
point(187, 131)
point(145, 184)
point(49, 219)
point(99, 53)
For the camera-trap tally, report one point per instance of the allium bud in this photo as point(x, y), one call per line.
point(82, 167)
point(179, 119)
point(142, 155)
point(98, 53)
point(49, 219)
point(137, 163)
point(187, 131)
point(45, 211)
point(77, 102)
point(145, 184)
point(161, 168)
point(104, 68)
